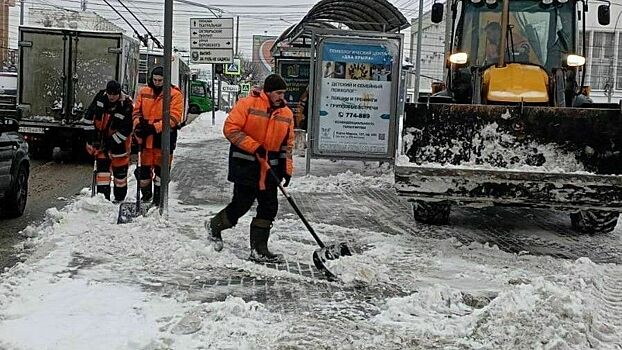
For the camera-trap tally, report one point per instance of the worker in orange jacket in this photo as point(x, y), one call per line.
point(147, 114)
point(261, 131)
point(110, 142)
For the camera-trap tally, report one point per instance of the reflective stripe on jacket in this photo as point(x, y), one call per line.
point(252, 123)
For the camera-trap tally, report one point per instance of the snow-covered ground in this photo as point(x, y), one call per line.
point(87, 283)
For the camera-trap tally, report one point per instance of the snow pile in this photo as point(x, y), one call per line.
point(58, 313)
point(492, 148)
point(201, 128)
point(339, 183)
point(549, 312)
point(231, 324)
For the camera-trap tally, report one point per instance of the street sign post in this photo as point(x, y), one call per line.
point(211, 40)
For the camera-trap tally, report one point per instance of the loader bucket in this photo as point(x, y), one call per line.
point(565, 158)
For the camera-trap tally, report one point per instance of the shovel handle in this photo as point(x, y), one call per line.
point(138, 166)
point(94, 179)
point(292, 203)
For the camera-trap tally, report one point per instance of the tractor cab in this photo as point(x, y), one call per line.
point(517, 51)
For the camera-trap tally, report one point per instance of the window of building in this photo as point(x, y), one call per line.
point(602, 62)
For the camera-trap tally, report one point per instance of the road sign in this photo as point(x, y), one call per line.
point(211, 40)
point(230, 88)
point(208, 56)
point(233, 68)
point(211, 23)
point(211, 43)
point(245, 88)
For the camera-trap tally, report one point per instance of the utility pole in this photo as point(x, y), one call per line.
point(166, 107)
point(418, 59)
point(237, 40)
point(213, 94)
point(237, 35)
point(83, 5)
point(21, 12)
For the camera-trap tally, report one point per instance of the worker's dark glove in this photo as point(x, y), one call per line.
point(260, 152)
point(144, 129)
point(287, 178)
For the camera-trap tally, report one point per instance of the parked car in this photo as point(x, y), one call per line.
point(14, 169)
point(8, 94)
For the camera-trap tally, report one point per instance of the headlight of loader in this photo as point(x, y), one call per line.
point(575, 60)
point(459, 58)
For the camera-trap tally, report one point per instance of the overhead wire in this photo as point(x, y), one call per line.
point(154, 39)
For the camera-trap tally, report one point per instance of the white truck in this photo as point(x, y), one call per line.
point(59, 72)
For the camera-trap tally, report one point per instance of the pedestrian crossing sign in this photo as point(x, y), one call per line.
point(233, 68)
point(245, 88)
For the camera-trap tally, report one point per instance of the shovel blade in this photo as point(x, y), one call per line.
point(329, 252)
point(128, 211)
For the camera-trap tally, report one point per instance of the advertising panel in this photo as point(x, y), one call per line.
point(356, 88)
point(262, 57)
point(296, 75)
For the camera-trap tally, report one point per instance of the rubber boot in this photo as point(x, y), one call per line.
point(156, 195)
point(120, 193)
point(260, 233)
point(105, 190)
point(215, 226)
point(146, 193)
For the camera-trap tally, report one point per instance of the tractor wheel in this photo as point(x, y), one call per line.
point(433, 213)
point(594, 221)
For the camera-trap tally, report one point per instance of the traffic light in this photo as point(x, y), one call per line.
point(219, 69)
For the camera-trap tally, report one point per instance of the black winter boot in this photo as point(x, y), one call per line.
point(120, 193)
point(156, 195)
point(146, 193)
point(260, 233)
point(105, 190)
point(215, 226)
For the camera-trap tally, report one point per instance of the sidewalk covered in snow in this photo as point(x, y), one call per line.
point(87, 283)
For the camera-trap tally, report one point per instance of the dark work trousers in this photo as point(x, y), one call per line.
point(243, 199)
point(103, 179)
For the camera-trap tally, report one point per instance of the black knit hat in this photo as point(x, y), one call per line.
point(113, 88)
point(274, 82)
point(157, 71)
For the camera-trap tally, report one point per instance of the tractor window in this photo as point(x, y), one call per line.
point(537, 34)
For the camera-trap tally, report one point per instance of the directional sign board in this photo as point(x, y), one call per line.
point(211, 40)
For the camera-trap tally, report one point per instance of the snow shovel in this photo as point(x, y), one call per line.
point(325, 252)
point(94, 179)
point(129, 210)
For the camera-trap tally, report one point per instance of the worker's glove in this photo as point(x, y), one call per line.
point(145, 129)
point(287, 178)
point(260, 152)
point(90, 149)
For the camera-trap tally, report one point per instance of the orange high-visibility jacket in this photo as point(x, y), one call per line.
point(150, 108)
point(251, 123)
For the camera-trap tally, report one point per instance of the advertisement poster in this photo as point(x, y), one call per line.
point(296, 75)
point(355, 101)
point(262, 57)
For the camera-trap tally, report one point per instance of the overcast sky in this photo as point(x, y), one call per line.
point(266, 17)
